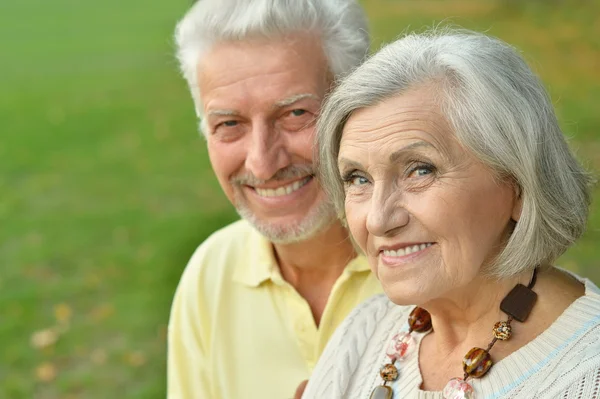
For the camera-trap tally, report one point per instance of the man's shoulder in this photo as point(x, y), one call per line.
point(234, 234)
point(229, 240)
point(221, 251)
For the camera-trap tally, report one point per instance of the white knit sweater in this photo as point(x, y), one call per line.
point(562, 362)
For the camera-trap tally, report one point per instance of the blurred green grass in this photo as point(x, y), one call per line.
point(106, 188)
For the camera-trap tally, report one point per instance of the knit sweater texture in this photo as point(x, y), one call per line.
point(562, 362)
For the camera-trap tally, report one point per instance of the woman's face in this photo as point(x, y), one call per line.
point(427, 214)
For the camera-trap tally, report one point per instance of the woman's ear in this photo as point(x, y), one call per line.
point(518, 205)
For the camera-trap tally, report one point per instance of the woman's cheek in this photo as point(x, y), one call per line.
point(356, 216)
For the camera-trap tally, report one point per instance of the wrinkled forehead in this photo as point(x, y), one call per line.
point(411, 116)
point(262, 70)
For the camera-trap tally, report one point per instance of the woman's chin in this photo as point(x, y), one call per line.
point(400, 298)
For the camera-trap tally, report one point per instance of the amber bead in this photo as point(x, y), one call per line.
point(419, 320)
point(477, 362)
point(389, 372)
point(502, 330)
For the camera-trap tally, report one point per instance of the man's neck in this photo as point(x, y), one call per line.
point(312, 266)
point(325, 255)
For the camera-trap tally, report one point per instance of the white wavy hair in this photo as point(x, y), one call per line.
point(341, 25)
point(498, 109)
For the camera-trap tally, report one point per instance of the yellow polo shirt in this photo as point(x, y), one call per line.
point(239, 331)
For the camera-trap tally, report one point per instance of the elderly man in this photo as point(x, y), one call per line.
point(261, 297)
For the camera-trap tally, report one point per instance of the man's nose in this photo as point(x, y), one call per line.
point(267, 152)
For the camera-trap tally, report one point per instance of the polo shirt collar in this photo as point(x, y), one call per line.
point(259, 263)
point(358, 264)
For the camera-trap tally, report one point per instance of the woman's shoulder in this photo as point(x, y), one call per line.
point(366, 317)
point(355, 341)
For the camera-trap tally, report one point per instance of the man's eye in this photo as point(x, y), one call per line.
point(298, 112)
point(229, 123)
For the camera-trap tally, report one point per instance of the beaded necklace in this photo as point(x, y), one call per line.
point(476, 363)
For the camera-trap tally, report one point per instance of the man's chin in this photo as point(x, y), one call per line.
point(291, 232)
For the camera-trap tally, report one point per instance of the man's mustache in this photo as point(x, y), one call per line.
point(289, 172)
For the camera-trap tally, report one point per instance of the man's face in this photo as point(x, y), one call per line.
point(260, 100)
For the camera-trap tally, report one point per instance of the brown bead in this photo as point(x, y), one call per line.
point(419, 320)
point(389, 372)
point(477, 362)
point(502, 330)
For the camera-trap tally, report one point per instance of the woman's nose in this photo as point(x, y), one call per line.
point(387, 213)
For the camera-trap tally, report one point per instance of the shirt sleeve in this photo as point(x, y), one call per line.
point(187, 368)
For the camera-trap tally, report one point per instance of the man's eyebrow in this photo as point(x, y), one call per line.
point(402, 151)
point(295, 98)
point(222, 112)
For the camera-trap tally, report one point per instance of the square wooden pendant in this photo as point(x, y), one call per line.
point(519, 302)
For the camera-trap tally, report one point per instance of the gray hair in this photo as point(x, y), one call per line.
point(341, 24)
point(498, 110)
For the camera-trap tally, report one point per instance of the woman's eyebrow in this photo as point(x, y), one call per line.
point(349, 164)
point(396, 155)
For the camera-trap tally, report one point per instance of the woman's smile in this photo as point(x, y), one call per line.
point(404, 253)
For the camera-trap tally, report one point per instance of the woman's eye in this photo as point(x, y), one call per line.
point(421, 170)
point(298, 112)
point(358, 181)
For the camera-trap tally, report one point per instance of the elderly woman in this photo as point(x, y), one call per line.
point(444, 156)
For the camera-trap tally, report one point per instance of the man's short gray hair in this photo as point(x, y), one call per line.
point(341, 25)
point(498, 110)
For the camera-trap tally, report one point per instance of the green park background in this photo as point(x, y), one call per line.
point(106, 187)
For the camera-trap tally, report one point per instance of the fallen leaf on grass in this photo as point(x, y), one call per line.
point(45, 372)
point(135, 359)
point(98, 356)
point(62, 313)
point(44, 338)
point(102, 312)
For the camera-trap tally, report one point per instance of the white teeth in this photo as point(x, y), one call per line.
point(284, 190)
point(407, 250)
point(399, 252)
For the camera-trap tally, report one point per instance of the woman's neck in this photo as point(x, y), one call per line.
point(465, 320)
point(469, 313)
